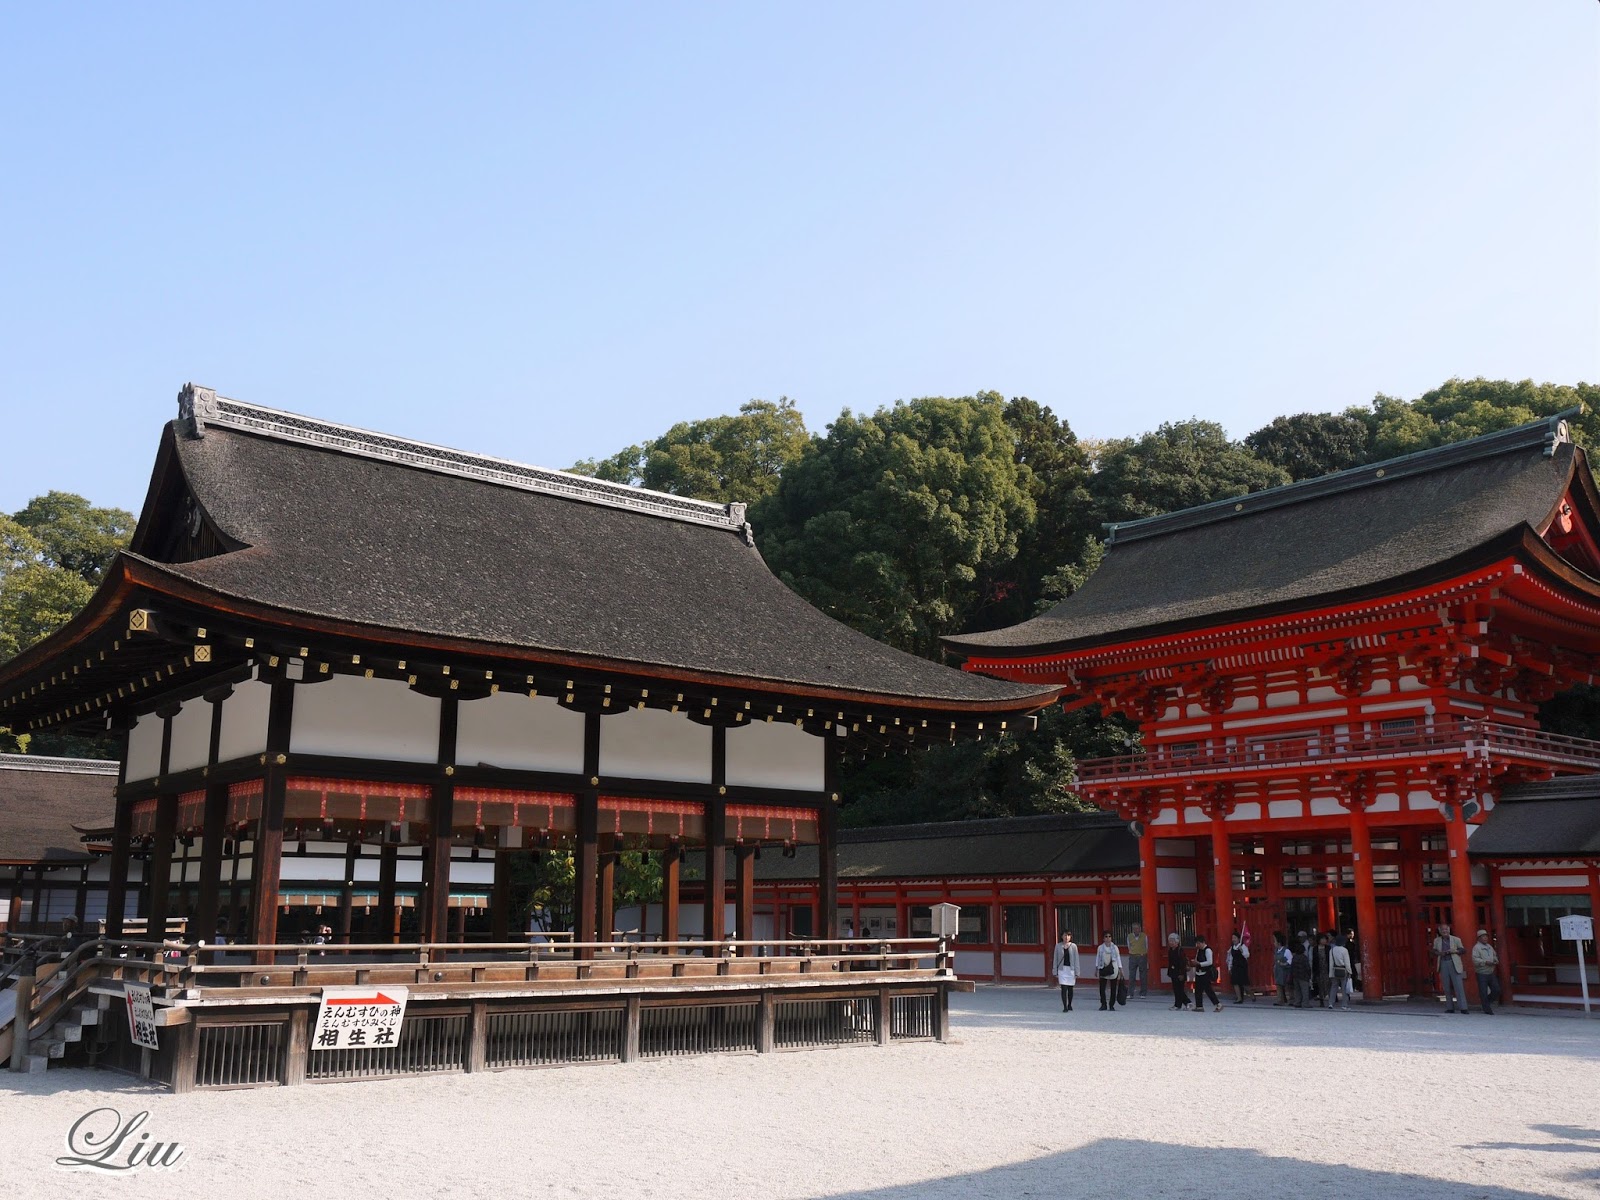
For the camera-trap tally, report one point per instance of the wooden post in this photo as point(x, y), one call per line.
point(587, 867)
point(185, 1056)
point(477, 1037)
point(828, 844)
point(1499, 928)
point(266, 868)
point(671, 876)
point(716, 891)
point(298, 1047)
point(941, 1015)
point(1463, 912)
point(1149, 897)
point(744, 901)
point(160, 865)
point(1222, 880)
point(121, 845)
point(14, 908)
point(1370, 949)
point(885, 1005)
point(388, 860)
point(435, 915)
point(767, 1023)
point(211, 838)
point(80, 910)
point(23, 990)
point(632, 1018)
point(606, 887)
point(347, 897)
point(500, 897)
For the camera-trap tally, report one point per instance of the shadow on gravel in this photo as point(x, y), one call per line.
point(1176, 1172)
point(76, 1079)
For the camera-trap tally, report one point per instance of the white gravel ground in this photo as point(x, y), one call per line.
point(1026, 1101)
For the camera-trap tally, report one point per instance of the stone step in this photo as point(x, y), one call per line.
point(87, 1014)
point(69, 1031)
point(57, 1048)
point(34, 1064)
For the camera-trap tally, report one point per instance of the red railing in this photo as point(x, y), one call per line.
point(1446, 738)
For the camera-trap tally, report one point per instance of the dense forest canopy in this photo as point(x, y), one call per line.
point(928, 517)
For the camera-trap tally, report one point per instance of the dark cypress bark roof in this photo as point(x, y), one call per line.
point(1558, 818)
point(1065, 844)
point(331, 522)
point(43, 799)
point(1342, 537)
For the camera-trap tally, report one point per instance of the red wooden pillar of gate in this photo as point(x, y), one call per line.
point(1366, 905)
point(1149, 893)
point(1222, 883)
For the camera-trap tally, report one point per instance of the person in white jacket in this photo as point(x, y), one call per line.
point(1064, 966)
point(1109, 967)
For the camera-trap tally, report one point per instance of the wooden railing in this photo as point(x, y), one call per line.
point(1465, 738)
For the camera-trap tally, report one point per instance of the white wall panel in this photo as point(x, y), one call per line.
point(774, 756)
point(191, 736)
point(365, 718)
point(144, 748)
point(645, 743)
point(524, 733)
point(244, 720)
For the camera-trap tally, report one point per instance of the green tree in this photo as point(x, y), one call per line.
point(74, 535)
point(1467, 408)
point(1058, 481)
point(1307, 445)
point(890, 521)
point(735, 459)
point(1180, 465)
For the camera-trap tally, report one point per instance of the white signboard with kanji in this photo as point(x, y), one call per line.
point(141, 1015)
point(1577, 928)
point(359, 1018)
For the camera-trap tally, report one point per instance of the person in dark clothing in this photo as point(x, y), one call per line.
point(1300, 975)
point(1282, 968)
point(1239, 969)
point(1177, 972)
point(1319, 970)
point(1205, 971)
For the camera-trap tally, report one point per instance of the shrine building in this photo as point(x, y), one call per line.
point(1338, 683)
point(327, 639)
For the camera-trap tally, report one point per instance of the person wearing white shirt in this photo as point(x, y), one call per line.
point(1205, 974)
point(1108, 966)
point(1064, 966)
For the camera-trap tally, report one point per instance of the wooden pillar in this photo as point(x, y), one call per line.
point(716, 896)
point(458, 923)
point(1463, 912)
point(500, 896)
point(14, 908)
point(587, 873)
point(213, 822)
point(606, 886)
point(266, 868)
point(160, 865)
point(744, 902)
point(235, 892)
point(388, 861)
point(1222, 882)
point(1499, 928)
point(121, 845)
point(1370, 949)
point(435, 915)
point(347, 896)
point(671, 874)
point(81, 908)
point(828, 843)
point(1149, 893)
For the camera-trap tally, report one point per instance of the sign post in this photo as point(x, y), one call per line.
point(359, 1018)
point(141, 1015)
point(1579, 929)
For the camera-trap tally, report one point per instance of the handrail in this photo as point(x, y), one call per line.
point(1446, 735)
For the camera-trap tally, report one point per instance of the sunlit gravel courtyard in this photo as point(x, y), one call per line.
point(1026, 1101)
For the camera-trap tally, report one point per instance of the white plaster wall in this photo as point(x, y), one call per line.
point(1384, 802)
point(191, 736)
point(1195, 815)
point(144, 748)
point(244, 720)
point(646, 743)
point(774, 756)
point(1321, 695)
point(1421, 801)
point(1176, 879)
point(1284, 808)
point(365, 718)
point(525, 733)
point(1250, 811)
point(1326, 806)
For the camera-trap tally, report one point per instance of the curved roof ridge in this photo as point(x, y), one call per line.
point(1548, 432)
point(199, 407)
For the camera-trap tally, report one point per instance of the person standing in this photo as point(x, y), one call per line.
point(1339, 973)
point(1319, 969)
point(1447, 957)
point(1108, 966)
point(1138, 960)
point(1300, 974)
point(1282, 963)
point(1486, 966)
point(1239, 969)
point(1064, 966)
point(1177, 972)
point(1205, 971)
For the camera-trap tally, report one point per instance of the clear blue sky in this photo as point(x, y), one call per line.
point(546, 231)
